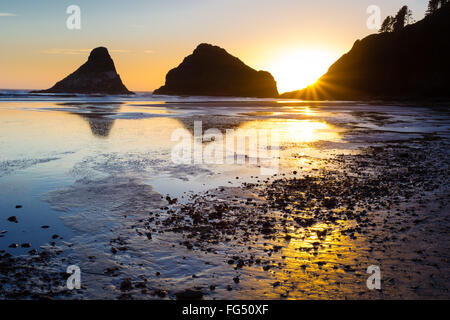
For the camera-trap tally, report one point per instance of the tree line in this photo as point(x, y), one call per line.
point(404, 16)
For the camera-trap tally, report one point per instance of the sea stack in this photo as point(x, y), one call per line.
point(212, 71)
point(97, 75)
point(409, 64)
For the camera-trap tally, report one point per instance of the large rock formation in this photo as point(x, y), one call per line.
point(97, 75)
point(412, 63)
point(211, 71)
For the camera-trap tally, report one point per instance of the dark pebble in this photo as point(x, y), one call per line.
point(126, 285)
point(161, 293)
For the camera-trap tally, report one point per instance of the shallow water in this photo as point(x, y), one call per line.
point(80, 164)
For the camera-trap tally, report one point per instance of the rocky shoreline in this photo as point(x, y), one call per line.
point(304, 235)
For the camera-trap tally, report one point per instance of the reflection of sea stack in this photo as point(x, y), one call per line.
point(98, 115)
point(100, 127)
point(411, 63)
point(97, 75)
point(211, 71)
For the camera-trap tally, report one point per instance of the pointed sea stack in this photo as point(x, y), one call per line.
point(211, 71)
point(97, 75)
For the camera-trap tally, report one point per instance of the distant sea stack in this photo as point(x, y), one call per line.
point(211, 71)
point(97, 75)
point(412, 63)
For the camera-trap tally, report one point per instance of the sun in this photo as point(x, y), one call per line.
point(299, 69)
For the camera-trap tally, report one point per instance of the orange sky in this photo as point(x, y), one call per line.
point(147, 38)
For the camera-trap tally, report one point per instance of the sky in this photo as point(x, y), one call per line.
point(295, 40)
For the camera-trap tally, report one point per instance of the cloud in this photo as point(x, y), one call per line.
point(149, 51)
point(78, 51)
point(6, 14)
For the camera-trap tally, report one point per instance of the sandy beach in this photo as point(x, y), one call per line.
point(358, 184)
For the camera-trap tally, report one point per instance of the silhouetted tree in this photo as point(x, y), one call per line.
point(402, 18)
point(387, 25)
point(434, 5)
point(409, 17)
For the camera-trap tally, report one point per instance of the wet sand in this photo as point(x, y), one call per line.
point(369, 191)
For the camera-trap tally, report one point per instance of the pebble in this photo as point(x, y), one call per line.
point(160, 293)
point(126, 285)
point(13, 219)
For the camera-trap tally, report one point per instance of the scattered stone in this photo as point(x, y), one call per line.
point(13, 219)
point(126, 285)
point(160, 293)
point(141, 285)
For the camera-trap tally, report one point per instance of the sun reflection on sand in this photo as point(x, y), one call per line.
point(296, 131)
point(316, 264)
